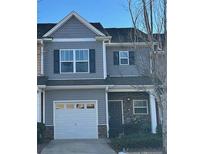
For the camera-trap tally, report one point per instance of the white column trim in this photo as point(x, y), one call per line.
point(44, 107)
point(153, 112)
point(104, 61)
point(107, 116)
point(38, 106)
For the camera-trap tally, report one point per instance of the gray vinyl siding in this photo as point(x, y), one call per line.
point(73, 28)
point(141, 67)
point(95, 94)
point(49, 48)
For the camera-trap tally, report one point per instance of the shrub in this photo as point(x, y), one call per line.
point(137, 141)
point(137, 126)
point(159, 130)
point(40, 132)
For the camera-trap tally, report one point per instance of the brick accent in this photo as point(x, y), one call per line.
point(102, 131)
point(49, 133)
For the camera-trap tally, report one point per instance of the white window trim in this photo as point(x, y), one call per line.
point(75, 61)
point(147, 107)
point(83, 61)
point(124, 58)
point(66, 61)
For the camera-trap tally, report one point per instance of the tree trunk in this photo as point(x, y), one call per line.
point(164, 124)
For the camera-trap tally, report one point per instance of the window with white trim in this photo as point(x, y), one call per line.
point(74, 60)
point(66, 60)
point(140, 106)
point(124, 57)
point(81, 60)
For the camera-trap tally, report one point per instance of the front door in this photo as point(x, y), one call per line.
point(115, 118)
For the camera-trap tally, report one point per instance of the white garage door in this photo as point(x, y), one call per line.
point(75, 120)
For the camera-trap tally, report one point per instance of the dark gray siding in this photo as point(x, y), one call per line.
point(141, 67)
point(49, 48)
point(73, 28)
point(128, 104)
point(95, 94)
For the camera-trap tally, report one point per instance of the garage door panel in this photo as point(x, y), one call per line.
point(76, 123)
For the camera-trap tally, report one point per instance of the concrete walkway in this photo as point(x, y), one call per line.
point(99, 146)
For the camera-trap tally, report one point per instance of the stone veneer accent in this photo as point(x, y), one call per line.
point(128, 104)
point(49, 133)
point(102, 131)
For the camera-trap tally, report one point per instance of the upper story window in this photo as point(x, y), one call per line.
point(124, 57)
point(81, 60)
point(75, 60)
point(66, 63)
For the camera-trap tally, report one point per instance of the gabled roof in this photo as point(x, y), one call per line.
point(125, 35)
point(43, 28)
point(119, 35)
point(65, 19)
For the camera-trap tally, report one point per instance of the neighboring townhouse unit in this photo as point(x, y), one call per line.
point(92, 80)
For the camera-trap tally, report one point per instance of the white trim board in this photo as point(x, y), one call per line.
point(104, 61)
point(65, 19)
point(111, 88)
point(107, 114)
point(44, 105)
point(73, 40)
point(130, 44)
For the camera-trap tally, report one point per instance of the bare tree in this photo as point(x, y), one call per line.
point(150, 17)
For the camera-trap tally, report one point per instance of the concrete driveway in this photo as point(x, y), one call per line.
point(99, 146)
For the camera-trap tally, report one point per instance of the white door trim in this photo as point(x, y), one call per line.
point(75, 101)
point(121, 108)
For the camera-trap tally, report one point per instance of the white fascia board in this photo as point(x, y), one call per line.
point(74, 40)
point(76, 87)
point(130, 44)
point(47, 39)
point(39, 40)
point(129, 88)
point(86, 23)
point(41, 86)
point(109, 88)
point(103, 38)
